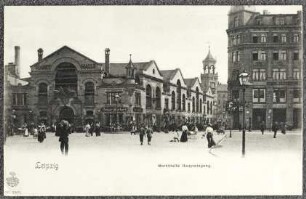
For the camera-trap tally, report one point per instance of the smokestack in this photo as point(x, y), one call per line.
point(40, 54)
point(17, 60)
point(107, 65)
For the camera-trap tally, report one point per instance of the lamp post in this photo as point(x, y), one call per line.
point(243, 80)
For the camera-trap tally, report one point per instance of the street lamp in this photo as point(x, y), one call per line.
point(244, 81)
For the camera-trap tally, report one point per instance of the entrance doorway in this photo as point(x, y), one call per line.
point(67, 114)
point(297, 115)
point(259, 116)
point(279, 115)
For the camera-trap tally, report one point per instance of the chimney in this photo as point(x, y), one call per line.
point(107, 67)
point(17, 60)
point(266, 12)
point(40, 52)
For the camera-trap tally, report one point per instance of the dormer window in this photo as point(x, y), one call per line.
point(236, 22)
point(258, 21)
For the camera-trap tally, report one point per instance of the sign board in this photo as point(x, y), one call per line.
point(114, 109)
point(137, 109)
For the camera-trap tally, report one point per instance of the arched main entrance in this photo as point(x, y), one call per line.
point(67, 114)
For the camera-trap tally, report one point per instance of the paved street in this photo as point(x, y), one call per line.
point(117, 164)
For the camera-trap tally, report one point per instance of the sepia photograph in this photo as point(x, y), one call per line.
point(153, 100)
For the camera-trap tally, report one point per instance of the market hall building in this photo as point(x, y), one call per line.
point(68, 85)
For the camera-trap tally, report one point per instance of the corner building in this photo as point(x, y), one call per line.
point(269, 48)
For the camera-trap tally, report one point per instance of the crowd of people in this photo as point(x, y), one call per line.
point(181, 133)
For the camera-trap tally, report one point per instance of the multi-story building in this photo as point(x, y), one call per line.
point(68, 85)
point(268, 47)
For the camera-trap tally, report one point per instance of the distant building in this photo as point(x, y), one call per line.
point(221, 113)
point(269, 48)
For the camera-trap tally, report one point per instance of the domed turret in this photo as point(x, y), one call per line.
point(209, 63)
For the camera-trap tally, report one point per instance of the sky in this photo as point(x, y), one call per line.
point(173, 36)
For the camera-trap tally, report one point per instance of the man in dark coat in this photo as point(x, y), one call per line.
point(262, 127)
point(97, 129)
point(142, 132)
point(64, 134)
point(149, 134)
point(275, 129)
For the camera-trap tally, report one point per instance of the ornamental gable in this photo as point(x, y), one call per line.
point(178, 76)
point(66, 54)
point(195, 85)
point(152, 70)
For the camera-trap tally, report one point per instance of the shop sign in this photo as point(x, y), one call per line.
point(137, 109)
point(114, 109)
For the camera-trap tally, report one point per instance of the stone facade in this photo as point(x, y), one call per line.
point(268, 47)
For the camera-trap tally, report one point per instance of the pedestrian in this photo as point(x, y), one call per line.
point(26, 131)
point(97, 129)
point(209, 136)
point(133, 129)
point(283, 127)
point(262, 127)
point(41, 132)
point(250, 124)
point(142, 132)
point(87, 129)
point(184, 137)
point(91, 129)
point(64, 134)
point(149, 132)
point(275, 129)
point(58, 129)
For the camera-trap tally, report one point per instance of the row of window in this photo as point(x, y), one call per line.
point(262, 56)
point(277, 74)
point(279, 95)
point(259, 21)
point(262, 38)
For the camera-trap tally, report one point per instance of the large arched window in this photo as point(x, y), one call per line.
point(208, 109)
point(148, 96)
point(89, 93)
point(204, 110)
point(197, 99)
point(173, 100)
point(43, 93)
point(184, 103)
point(178, 91)
point(66, 78)
point(158, 98)
point(193, 104)
point(211, 104)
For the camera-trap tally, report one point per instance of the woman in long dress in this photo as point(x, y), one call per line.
point(184, 137)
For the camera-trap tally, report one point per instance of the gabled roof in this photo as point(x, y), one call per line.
point(190, 81)
point(119, 69)
point(168, 74)
point(61, 49)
